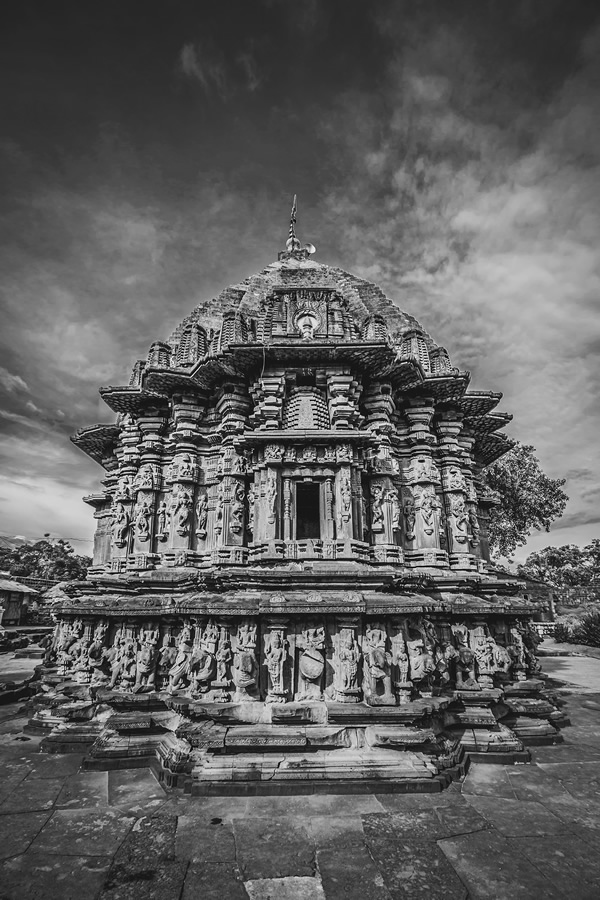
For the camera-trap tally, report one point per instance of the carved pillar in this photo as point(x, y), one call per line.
point(287, 509)
point(345, 527)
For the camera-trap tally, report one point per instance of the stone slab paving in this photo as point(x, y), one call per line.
point(520, 832)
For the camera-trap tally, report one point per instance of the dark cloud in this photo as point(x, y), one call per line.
point(150, 152)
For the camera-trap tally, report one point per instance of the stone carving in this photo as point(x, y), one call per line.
point(182, 510)
point(180, 668)
point(377, 677)
point(162, 521)
point(272, 498)
point(275, 657)
point(346, 499)
point(202, 515)
point(460, 521)
point(251, 511)
point(224, 658)
point(377, 522)
point(219, 509)
point(273, 452)
point(422, 663)
point(311, 663)
point(142, 521)
point(465, 661)
point(121, 525)
point(147, 659)
point(237, 508)
point(245, 667)
point(346, 665)
point(394, 501)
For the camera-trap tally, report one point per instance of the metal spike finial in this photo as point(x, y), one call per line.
point(292, 242)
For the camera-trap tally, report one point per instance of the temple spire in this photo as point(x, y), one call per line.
point(292, 242)
point(293, 247)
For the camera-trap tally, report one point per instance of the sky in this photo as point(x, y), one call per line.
point(448, 150)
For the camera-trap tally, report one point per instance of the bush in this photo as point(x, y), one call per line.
point(562, 633)
point(587, 631)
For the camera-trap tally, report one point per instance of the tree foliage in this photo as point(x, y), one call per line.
point(528, 499)
point(44, 559)
point(568, 566)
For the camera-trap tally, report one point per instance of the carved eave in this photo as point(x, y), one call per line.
point(478, 403)
point(98, 441)
point(133, 400)
point(97, 501)
point(450, 387)
point(489, 423)
point(490, 447)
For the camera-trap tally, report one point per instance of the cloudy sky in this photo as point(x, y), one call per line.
point(449, 151)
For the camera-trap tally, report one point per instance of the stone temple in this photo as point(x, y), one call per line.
point(291, 587)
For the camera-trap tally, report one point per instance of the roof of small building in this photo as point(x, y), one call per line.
point(7, 584)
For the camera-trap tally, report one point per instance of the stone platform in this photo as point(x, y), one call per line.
point(526, 831)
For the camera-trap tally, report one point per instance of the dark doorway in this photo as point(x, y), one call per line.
point(308, 513)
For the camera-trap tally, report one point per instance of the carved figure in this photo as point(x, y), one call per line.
point(121, 525)
point(219, 509)
point(275, 656)
point(237, 509)
point(410, 518)
point(346, 498)
point(162, 521)
point(377, 682)
point(272, 498)
point(377, 508)
point(244, 663)
point(202, 515)
point(142, 521)
point(346, 668)
point(394, 501)
point(147, 659)
point(181, 666)
point(251, 512)
point(224, 658)
point(183, 512)
point(201, 669)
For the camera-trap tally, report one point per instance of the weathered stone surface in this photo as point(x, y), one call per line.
point(204, 843)
point(18, 831)
point(213, 881)
point(292, 888)
point(84, 790)
point(489, 865)
point(349, 873)
point(30, 795)
point(415, 869)
point(273, 849)
point(145, 865)
point(414, 824)
point(40, 876)
point(134, 790)
point(83, 832)
point(514, 817)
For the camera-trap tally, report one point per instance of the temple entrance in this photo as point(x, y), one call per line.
point(308, 510)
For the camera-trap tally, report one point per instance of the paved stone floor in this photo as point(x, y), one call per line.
point(514, 832)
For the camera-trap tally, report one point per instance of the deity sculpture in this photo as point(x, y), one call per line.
point(180, 667)
point(275, 657)
point(237, 509)
point(244, 663)
point(377, 508)
point(121, 525)
point(311, 663)
point(346, 664)
point(142, 521)
point(394, 501)
point(162, 521)
point(147, 659)
point(377, 681)
point(183, 512)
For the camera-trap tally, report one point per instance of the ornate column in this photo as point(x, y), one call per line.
point(454, 485)
point(422, 506)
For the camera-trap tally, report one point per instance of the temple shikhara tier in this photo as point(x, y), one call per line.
point(291, 585)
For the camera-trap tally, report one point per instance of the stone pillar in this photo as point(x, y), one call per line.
point(454, 486)
point(422, 507)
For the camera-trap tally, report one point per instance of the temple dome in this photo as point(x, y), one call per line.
point(364, 298)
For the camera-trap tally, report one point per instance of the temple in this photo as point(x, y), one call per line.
point(291, 586)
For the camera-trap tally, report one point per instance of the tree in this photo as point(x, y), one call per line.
point(55, 560)
point(567, 566)
point(528, 499)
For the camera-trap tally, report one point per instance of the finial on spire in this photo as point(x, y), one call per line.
point(292, 242)
point(294, 248)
